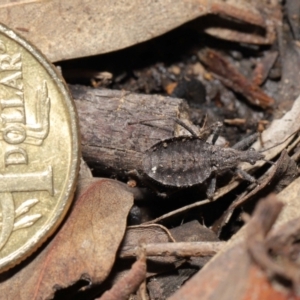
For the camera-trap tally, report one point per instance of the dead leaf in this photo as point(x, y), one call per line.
point(270, 9)
point(84, 247)
point(99, 26)
point(280, 131)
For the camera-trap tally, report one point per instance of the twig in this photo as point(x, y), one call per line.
point(130, 282)
point(182, 249)
point(221, 192)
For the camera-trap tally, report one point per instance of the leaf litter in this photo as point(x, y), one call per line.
point(249, 263)
point(89, 241)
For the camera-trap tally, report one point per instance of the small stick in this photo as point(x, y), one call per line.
point(130, 282)
point(221, 192)
point(181, 249)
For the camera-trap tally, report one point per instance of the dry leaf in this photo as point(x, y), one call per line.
point(280, 131)
point(273, 18)
point(84, 247)
point(75, 28)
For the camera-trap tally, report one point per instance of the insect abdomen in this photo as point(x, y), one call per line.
point(180, 162)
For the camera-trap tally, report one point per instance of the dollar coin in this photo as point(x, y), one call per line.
point(39, 152)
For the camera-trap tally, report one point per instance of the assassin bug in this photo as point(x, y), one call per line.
point(185, 161)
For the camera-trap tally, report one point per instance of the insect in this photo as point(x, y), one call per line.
point(185, 161)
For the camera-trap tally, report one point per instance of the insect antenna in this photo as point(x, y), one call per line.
point(261, 151)
point(144, 121)
point(216, 126)
point(268, 161)
point(178, 121)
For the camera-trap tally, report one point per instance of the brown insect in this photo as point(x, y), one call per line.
point(189, 160)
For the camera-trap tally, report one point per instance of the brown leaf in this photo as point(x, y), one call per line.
point(270, 9)
point(100, 26)
point(84, 248)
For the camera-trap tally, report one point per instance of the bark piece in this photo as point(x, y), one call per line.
point(84, 248)
point(231, 77)
point(184, 249)
point(263, 67)
point(107, 140)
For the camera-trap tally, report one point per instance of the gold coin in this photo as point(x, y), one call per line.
point(39, 152)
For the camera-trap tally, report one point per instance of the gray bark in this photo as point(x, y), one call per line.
point(109, 144)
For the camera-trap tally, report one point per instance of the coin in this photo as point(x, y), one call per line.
point(39, 151)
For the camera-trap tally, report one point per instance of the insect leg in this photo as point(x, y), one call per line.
point(182, 124)
point(246, 142)
point(216, 132)
point(243, 174)
point(211, 188)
